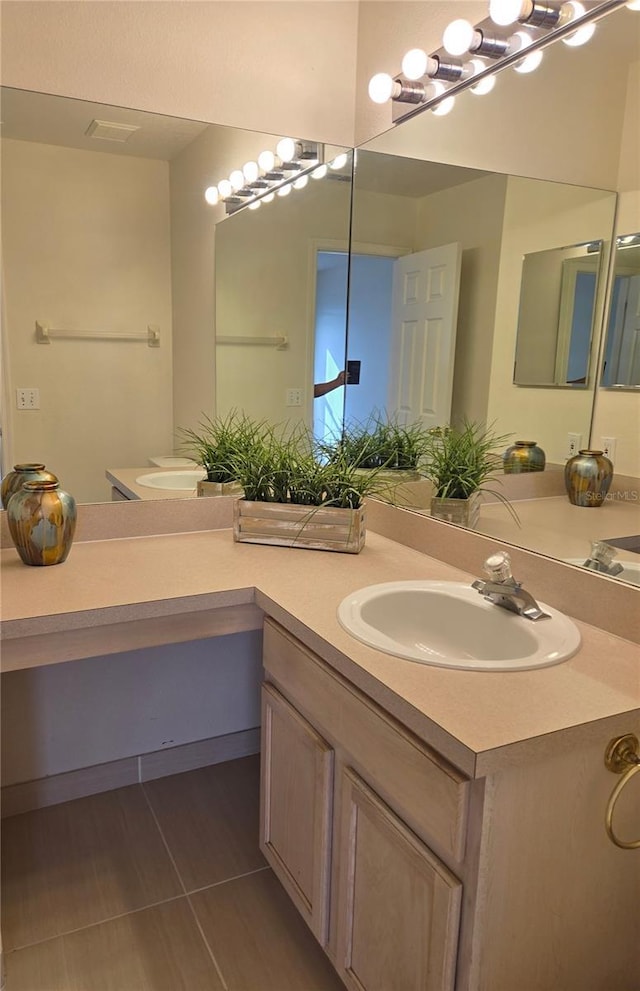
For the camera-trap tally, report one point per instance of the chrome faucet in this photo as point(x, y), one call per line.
point(503, 590)
point(601, 559)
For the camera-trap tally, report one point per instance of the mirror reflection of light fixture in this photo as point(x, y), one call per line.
point(493, 40)
point(289, 167)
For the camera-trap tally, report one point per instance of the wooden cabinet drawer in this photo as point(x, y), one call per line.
point(415, 781)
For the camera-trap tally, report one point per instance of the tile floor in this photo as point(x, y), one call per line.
point(153, 887)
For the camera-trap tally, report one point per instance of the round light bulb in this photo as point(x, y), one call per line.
point(458, 37)
point(254, 205)
point(505, 12)
point(320, 172)
point(286, 149)
point(529, 63)
point(250, 171)
point(269, 198)
point(414, 64)
point(301, 182)
point(483, 85)
point(581, 36)
point(284, 190)
point(445, 107)
point(380, 87)
point(237, 180)
point(339, 162)
point(211, 195)
point(633, 5)
point(266, 160)
point(225, 188)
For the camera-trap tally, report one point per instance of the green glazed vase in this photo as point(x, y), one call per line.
point(42, 522)
point(14, 480)
point(587, 477)
point(524, 455)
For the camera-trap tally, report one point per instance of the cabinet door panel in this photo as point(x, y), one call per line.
point(399, 907)
point(296, 805)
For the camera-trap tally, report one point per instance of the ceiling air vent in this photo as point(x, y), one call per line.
point(108, 130)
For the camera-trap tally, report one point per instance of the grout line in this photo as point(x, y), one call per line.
point(92, 925)
point(227, 880)
point(184, 888)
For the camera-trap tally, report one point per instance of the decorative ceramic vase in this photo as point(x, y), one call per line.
point(14, 480)
point(524, 455)
point(587, 477)
point(42, 522)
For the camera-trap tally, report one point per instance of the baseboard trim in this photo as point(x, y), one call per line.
point(27, 796)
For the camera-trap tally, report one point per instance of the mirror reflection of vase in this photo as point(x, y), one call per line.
point(587, 478)
point(524, 455)
point(27, 472)
point(42, 522)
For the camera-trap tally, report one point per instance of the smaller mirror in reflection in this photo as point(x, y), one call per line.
point(558, 299)
point(621, 366)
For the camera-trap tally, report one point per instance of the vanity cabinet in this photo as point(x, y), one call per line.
point(352, 806)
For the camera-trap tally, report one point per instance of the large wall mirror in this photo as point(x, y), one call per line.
point(106, 233)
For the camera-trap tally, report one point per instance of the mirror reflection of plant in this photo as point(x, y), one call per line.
point(460, 460)
point(220, 441)
point(382, 442)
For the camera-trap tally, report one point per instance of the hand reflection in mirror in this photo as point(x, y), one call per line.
point(322, 388)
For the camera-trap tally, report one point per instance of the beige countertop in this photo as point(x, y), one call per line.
point(477, 720)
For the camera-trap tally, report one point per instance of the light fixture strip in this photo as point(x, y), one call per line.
point(234, 202)
point(404, 110)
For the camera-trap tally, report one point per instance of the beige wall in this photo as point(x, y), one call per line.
point(95, 227)
point(270, 66)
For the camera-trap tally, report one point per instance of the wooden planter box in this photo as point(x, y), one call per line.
point(287, 525)
point(219, 488)
point(464, 512)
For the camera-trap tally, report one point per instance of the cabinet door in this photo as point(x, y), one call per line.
point(398, 906)
point(295, 807)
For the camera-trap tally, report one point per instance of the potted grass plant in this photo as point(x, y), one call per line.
point(293, 497)
point(459, 463)
point(217, 445)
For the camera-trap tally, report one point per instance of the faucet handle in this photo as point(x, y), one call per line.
point(604, 553)
point(498, 567)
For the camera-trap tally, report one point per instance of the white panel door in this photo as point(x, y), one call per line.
point(425, 314)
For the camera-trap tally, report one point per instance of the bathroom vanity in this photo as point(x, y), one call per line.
point(437, 829)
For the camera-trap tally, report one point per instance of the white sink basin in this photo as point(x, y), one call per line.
point(450, 624)
point(185, 481)
point(630, 572)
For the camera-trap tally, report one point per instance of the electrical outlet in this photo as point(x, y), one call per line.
point(28, 398)
point(294, 397)
point(574, 443)
point(609, 447)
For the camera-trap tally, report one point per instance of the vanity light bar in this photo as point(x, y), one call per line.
point(471, 55)
point(272, 173)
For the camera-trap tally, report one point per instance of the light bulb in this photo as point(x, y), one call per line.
point(483, 85)
point(506, 12)
point(301, 182)
point(266, 160)
point(339, 162)
point(583, 34)
point(517, 43)
point(414, 64)
point(225, 188)
point(211, 195)
point(529, 63)
point(458, 37)
point(250, 171)
point(254, 205)
point(633, 5)
point(381, 87)
point(269, 198)
point(445, 107)
point(320, 172)
point(284, 190)
point(237, 180)
point(286, 149)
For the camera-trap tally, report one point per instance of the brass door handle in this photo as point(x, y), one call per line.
point(622, 756)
